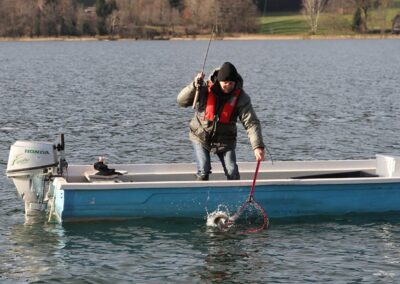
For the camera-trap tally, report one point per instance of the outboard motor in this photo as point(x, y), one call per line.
point(31, 165)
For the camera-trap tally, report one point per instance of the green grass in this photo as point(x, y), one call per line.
point(376, 20)
point(283, 24)
point(328, 24)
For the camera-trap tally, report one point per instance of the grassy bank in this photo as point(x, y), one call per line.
point(329, 24)
point(283, 24)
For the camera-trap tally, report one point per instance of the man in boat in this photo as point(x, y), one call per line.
point(220, 102)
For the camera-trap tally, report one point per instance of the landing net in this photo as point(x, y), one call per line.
point(249, 218)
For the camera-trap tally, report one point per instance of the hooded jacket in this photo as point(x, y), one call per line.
point(216, 136)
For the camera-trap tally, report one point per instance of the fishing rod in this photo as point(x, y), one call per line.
point(196, 96)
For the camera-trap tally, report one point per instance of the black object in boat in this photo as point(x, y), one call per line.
point(104, 170)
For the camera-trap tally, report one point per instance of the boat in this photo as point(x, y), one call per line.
point(49, 186)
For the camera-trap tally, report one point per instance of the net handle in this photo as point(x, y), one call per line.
point(253, 186)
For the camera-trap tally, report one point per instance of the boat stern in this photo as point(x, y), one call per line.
point(32, 167)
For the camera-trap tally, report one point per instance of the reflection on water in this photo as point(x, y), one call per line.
point(31, 247)
point(185, 250)
point(224, 259)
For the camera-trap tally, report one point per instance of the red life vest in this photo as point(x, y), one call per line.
point(227, 110)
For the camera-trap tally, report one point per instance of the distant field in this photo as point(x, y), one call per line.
point(329, 24)
point(284, 24)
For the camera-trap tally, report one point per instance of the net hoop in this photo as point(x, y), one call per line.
point(265, 222)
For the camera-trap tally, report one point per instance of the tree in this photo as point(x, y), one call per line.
point(85, 21)
point(133, 18)
point(360, 19)
point(103, 10)
point(236, 16)
point(17, 18)
point(225, 16)
point(312, 9)
point(200, 15)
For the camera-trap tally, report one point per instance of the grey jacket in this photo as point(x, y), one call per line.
point(216, 136)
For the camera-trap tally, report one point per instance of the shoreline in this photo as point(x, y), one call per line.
point(206, 37)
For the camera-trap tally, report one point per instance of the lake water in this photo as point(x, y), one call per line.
point(328, 99)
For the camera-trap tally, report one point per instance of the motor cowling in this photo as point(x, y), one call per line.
point(29, 156)
point(30, 164)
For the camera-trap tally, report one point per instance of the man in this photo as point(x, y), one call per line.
point(221, 102)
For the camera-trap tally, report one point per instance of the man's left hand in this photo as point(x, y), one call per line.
point(259, 153)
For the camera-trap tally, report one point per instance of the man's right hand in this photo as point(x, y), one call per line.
point(198, 80)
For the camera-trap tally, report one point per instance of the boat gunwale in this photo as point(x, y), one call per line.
point(64, 185)
point(176, 169)
point(276, 166)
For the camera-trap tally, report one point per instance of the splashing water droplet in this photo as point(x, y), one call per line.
point(217, 219)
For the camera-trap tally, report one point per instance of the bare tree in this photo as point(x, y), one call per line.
point(226, 16)
point(147, 18)
point(113, 23)
point(236, 16)
point(138, 18)
point(128, 17)
point(383, 11)
point(67, 11)
point(340, 7)
point(85, 21)
point(17, 18)
point(312, 10)
point(200, 14)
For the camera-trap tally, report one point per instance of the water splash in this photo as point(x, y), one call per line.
point(249, 218)
point(220, 218)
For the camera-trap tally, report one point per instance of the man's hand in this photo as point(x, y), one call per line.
point(198, 80)
point(259, 153)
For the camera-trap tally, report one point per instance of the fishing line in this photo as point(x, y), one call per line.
point(269, 154)
point(202, 70)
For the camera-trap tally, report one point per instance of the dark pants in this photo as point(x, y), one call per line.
point(203, 160)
